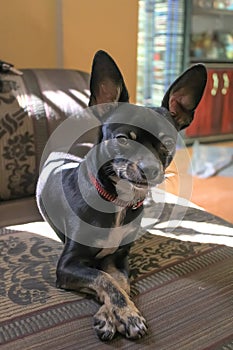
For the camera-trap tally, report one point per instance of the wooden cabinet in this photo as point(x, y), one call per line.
point(212, 43)
point(227, 113)
point(214, 115)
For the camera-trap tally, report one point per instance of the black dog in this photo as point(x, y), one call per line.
point(95, 205)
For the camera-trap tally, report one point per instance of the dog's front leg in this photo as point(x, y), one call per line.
point(117, 265)
point(118, 312)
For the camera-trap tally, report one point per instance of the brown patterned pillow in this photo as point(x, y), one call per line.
point(31, 107)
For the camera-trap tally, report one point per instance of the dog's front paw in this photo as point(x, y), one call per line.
point(130, 322)
point(104, 324)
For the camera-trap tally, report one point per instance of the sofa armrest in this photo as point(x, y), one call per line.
point(31, 107)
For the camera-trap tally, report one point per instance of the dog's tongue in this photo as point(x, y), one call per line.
point(125, 190)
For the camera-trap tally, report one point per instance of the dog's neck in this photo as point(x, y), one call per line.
point(134, 203)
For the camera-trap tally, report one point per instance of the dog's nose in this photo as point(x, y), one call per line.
point(151, 172)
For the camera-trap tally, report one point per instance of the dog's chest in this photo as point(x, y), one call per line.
point(117, 234)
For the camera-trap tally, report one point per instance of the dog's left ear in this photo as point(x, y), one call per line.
point(184, 95)
point(106, 84)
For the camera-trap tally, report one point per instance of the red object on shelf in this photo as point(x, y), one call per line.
point(157, 56)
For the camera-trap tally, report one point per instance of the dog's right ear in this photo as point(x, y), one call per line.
point(106, 84)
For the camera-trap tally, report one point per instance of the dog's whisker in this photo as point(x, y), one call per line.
point(169, 179)
point(169, 175)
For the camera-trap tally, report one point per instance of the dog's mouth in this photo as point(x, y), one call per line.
point(137, 184)
point(139, 178)
point(142, 185)
point(146, 184)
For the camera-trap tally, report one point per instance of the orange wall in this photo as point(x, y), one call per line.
point(28, 32)
point(111, 25)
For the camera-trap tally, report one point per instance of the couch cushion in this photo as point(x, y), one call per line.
point(183, 289)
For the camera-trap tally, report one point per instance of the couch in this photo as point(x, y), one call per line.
point(183, 288)
point(32, 105)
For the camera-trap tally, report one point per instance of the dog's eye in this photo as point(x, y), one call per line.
point(122, 139)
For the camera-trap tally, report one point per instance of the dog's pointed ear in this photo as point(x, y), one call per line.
point(107, 83)
point(184, 95)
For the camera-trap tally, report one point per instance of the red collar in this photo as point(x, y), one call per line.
point(112, 198)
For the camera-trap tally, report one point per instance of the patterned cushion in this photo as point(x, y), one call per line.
point(31, 107)
point(183, 289)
